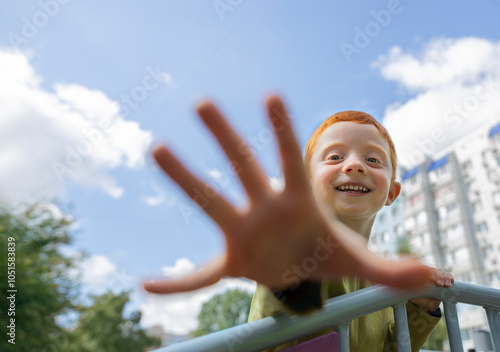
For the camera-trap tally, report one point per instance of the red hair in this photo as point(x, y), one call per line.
point(350, 116)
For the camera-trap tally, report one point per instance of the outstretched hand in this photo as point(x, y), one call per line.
point(280, 238)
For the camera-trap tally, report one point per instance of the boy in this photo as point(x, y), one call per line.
point(278, 232)
point(351, 163)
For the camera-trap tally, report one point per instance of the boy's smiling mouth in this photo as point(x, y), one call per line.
point(352, 188)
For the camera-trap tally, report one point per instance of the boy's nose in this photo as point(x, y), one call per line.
point(354, 166)
point(359, 170)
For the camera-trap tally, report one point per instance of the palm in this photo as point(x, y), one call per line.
point(279, 237)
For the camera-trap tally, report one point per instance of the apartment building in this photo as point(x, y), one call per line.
point(449, 213)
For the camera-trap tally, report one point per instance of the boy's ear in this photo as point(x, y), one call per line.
point(393, 193)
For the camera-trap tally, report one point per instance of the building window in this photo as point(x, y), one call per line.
point(485, 155)
point(416, 199)
point(471, 186)
point(464, 334)
point(416, 242)
point(449, 258)
point(442, 171)
point(488, 250)
point(443, 192)
point(381, 218)
point(466, 277)
point(426, 238)
point(447, 210)
point(494, 276)
point(496, 198)
point(482, 227)
point(496, 138)
point(428, 260)
point(410, 223)
point(478, 206)
point(492, 175)
point(461, 255)
point(421, 217)
point(385, 236)
point(412, 181)
point(442, 212)
point(467, 165)
point(395, 210)
point(454, 233)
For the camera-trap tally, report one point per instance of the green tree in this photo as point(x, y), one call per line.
point(103, 327)
point(223, 311)
point(45, 291)
point(38, 273)
point(404, 248)
point(437, 338)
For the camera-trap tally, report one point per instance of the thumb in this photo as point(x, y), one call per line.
point(206, 276)
point(403, 275)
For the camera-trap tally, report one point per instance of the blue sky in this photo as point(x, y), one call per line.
point(234, 52)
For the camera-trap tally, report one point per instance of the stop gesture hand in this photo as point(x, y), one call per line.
point(277, 235)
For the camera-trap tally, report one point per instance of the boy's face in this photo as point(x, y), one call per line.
point(351, 155)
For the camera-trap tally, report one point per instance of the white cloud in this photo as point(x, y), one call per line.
point(457, 88)
point(96, 272)
point(277, 183)
point(227, 184)
point(182, 267)
point(222, 178)
point(167, 78)
point(157, 199)
point(441, 63)
point(71, 132)
point(177, 313)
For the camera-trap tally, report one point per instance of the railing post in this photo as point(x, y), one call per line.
point(451, 316)
point(494, 323)
point(402, 332)
point(344, 337)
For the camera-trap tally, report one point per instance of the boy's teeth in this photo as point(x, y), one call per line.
point(353, 188)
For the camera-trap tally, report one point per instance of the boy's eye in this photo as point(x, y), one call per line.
point(334, 157)
point(372, 160)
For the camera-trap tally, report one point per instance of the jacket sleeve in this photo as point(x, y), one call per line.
point(265, 304)
point(420, 325)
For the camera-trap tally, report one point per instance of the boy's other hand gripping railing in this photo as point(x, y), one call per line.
point(338, 313)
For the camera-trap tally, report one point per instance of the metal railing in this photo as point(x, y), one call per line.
point(339, 312)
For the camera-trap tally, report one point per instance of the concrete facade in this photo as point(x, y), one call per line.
point(449, 212)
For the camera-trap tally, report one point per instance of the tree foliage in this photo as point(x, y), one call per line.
point(404, 247)
point(437, 338)
point(103, 327)
point(223, 311)
point(46, 291)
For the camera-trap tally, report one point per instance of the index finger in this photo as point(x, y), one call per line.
point(291, 157)
point(251, 174)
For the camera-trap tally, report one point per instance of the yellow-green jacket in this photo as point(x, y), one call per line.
point(374, 332)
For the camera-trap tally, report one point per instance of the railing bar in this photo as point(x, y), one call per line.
point(494, 323)
point(344, 337)
point(272, 331)
point(402, 332)
point(451, 316)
